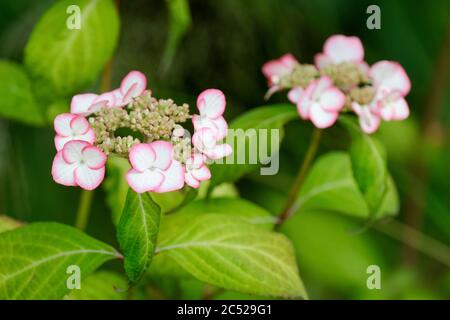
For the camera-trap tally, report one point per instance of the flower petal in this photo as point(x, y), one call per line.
point(118, 98)
point(142, 156)
point(63, 172)
point(195, 160)
point(391, 75)
point(88, 178)
point(368, 121)
point(204, 138)
point(295, 94)
point(72, 151)
point(220, 151)
point(173, 178)
point(340, 48)
point(218, 126)
point(211, 103)
point(394, 110)
point(164, 154)
point(144, 181)
point(332, 99)
point(81, 102)
point(322, 118)
point(191, 181)
point(62, 124)
point(105, 100)
point(321, 60)
point(94, 157)
point(201, 173)
point(79, 125)
point(133, 85)
point(280, 67)
point(60, 141)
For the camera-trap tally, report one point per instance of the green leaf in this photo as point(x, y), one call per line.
point(368, 159)
point(137, 232)
point(329, 251)
point(268, 117)
point(7, 223)
point(239, 209)
point(229, 253)
point(70, 59)
point(232, 207)
point(101, 285)
point(330, 185)
point(34, 259)
point(16, 97)
point(180, 20)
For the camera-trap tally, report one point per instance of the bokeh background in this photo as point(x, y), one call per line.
point(224, 46)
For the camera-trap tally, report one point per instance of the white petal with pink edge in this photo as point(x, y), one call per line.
point(133, 85)
point(218, 152)
point(295, 94)
point(88, 178)
point(219, 125)
point(63, 172)
point(62, 124)
point(279, 67)
point(191, 181)
point(173, 178)
point(394, 110)
point(204, 138)
point(211, 103)
point(73, 151)
point(81, 102)
point(322, 118)
point(79, 125)
point(60, 141)
point(332, 99)
point(391, 75)
point(105, 100)
point(368, 121)
point(201, 173)
point(340, 48)
point(145, 181)
point(164, 154)
point(94, 157)
point(142, 156)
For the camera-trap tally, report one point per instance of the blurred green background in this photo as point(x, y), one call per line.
point(223, 47)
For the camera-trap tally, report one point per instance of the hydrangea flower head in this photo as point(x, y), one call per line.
point(162, 158)
point(341, 81)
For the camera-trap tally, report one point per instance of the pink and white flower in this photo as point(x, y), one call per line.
point(369, 118)
point(154, 168)
point(321, 102)
point(196, 171)
point(205, 141)
point(340, 48)
point(275, 69)
point(392, 84)
point(79, 164)
point(211, 105)
point(132, 85)
point(70, 127)
point(390, 75)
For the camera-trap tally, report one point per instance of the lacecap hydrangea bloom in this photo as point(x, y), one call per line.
point(162, 155)
point(341, 81)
